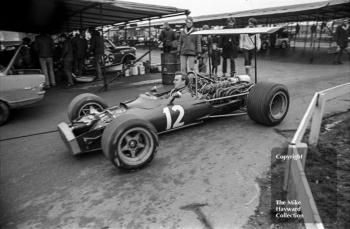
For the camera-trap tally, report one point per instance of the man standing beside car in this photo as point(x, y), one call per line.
point(167, 36)
point(79, 50)
point(189, 47)
point(67, 57)
point(44, 46)
point(341, 38)
point(97, 50)
point(229, 45)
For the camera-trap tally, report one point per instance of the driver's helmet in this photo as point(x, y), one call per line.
point(244, 78)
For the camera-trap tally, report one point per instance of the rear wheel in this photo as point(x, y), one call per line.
point(129, 142)
point(268, 103)
point(4, 112)
point(83, 104)
point(284, 45)
point(127, 62)
point(264, 46)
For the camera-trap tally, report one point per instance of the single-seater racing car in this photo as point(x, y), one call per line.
point(128, 133)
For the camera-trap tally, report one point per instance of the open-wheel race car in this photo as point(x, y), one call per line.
point(128, 133)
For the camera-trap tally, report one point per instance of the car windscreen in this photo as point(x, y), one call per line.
point(6, 56)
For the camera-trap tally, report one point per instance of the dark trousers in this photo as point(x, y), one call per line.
point(98, 60)
point(67, 67)
point(167, 48)
point(248, 56)
point(78, 66)
point(214, 70)
point(232, 63)
point(340, 54)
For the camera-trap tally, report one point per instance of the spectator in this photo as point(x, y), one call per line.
point(167, 36)
point(313, 30)
point(79, 51)
point(25, 54)
point(67, 57)
point(189, 47)
point(341, 38)
point(205, 42)
point(247, 45)
point(97, 50)
point(297, 29)
point(229, 45)
point(44, 47)
point(215, 58)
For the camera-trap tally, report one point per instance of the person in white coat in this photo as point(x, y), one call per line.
point(247, 45)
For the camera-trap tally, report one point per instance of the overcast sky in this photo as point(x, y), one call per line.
point(203, 7)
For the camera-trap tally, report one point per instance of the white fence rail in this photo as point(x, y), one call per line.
point(295, 181)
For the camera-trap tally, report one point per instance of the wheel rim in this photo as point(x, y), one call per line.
point(86, 109)
point(278, 105)
point(284, 45)
point(135, 146)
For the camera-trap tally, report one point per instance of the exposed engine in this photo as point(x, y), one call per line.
point(212, 88)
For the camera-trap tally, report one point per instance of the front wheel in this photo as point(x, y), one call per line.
point(268, 103)
point(83, 104)
point(4, 113)
point(129, 142)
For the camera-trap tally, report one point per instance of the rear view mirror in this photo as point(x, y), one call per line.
point(154, 89)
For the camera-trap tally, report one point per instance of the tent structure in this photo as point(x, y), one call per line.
point(317, 11)
point(56, 16)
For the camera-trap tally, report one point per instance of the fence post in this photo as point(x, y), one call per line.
point(287, 169)
point(317, 119)
point(302, 150)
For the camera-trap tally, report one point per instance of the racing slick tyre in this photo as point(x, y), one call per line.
point(129, 142)
point(268, 103)
point(82, 104)
point(4, 112)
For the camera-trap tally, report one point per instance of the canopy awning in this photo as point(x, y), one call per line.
point(316, 11)
point(55, 16)
point(260, 30)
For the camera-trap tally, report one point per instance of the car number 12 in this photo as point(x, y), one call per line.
point(178, 121)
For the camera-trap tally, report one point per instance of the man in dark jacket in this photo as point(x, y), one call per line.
point(79, 51)
point(97, 50)
point(205, 43)
point(167, 36)
point(67, 57)
point(229, 45)
point(341, 38)
point(189, 47)
point(44, 46)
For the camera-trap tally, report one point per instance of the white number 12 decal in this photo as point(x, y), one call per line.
point(178, 122)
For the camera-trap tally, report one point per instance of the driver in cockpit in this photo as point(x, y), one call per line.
point(181, 81)
point(181, 84)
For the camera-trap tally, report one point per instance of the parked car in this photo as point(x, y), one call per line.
point(18, 87)
point(279, 39)
point(114, 56)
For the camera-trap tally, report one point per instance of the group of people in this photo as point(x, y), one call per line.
point(193, 48)
point(73, 50)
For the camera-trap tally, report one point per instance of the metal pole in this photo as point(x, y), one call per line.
point(125, 34)
point(256, 66)
point(314, 38)
point(307, 29)
point(105, 86)
point(149, 41)
point(209, 54)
